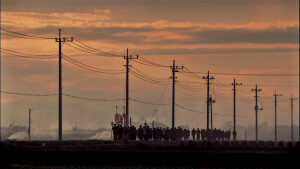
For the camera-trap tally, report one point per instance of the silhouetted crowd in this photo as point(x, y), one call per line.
point(166, 134)
point(212, 135)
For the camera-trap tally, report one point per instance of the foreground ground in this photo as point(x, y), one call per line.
point(140, 154)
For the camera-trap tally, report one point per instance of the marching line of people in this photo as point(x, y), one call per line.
point(166, 134)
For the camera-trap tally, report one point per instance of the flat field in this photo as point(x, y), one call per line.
point(148, 154)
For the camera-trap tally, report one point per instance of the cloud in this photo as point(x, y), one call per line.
point(180, 51)
point(38, 20)
point(100, 24)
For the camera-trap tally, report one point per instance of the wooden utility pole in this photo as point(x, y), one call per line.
point(275, 101)
point(256, 90)
point(29, 123)
point(211, 101)
point(234, 109)
point(292, 117)
point(207, 78)
point(175, 69)
point(128, 58)
point(60, 41)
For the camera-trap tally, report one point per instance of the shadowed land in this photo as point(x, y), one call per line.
point(150, 153)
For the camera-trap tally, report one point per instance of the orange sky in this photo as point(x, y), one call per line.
point(219, 36)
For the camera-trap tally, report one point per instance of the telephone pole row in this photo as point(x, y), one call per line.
point(174, 70)
point(256, 90)
point(234, 108)
point(275, 101)
point(207, 78)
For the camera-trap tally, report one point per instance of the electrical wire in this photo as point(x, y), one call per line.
point(187, 88)
point(27, 57)
point(88, 51)
point(248, 74)
point(84, 98)
point(161, 82)
point(120, 70)
point(68, 95)
point(86, 47)
point(25, 35)
point(27, 94)
point(140, 72)
point(146, 64)
point(139, 101)
point(159, 101)
point(87, 68)
point(107, 53)
point(152, 63)
point(188, 109)
point(25, 53)
point(191, 87)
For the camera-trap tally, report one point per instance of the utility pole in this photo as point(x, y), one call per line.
point(60, 41)
point(128, 58)
point(234, 109)
point(211, 101)
point(292, 117)
point(29, 123)
point(130, 121)
point(275, 101)
point(208, 78)
point(174, 70)
point(256, 90)
point(156, 120)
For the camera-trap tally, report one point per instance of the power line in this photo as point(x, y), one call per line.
point(147, 64)
point(191, 87)
point(146, 79)
point(91, 66)
point(84, 98)
point(25, 53)
point(152, 63)
point(188, 109)
point(139, 101)
point(96, 49)
point(68, 95)
point(15, 36)
point(27, 57)
point(157, 79)
point(231, 115)
point(88, 68)
point(87, 50)
point(247, 74)
point(27, 94)
point(159, 102)
point(274, 85)
point(25, 35)
point(189, 81)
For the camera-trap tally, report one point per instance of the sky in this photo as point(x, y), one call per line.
point(229, 37)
